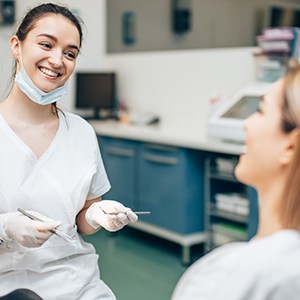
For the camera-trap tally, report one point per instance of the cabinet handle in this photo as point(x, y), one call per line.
point(120, 151)
point(161, 147)
point(160, 159)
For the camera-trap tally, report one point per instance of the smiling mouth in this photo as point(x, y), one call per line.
point(49, 72)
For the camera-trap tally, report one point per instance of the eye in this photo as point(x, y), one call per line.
point(45, 45)
point(70, 55)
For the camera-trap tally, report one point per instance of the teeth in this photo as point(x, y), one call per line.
point(49, 73)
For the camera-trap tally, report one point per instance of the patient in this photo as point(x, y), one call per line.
point(268, 266)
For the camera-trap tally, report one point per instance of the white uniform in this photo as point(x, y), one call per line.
point(262, 269)
point(57, 185)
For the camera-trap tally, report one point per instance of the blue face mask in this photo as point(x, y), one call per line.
point(34, 93)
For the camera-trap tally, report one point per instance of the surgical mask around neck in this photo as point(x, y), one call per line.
point(33, 92)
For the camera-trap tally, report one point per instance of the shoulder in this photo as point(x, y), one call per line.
point(77, 131)
point(76, 120)
point(218, 260)
point(77, 124)
point(268, 266)
point(226, 251)
point(273, 260)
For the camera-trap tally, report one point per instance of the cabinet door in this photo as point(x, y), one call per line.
point(119, 157)
point(170, 189)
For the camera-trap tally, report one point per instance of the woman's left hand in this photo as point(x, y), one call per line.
point(109, 214)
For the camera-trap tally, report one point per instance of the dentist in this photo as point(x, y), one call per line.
point(50, 166)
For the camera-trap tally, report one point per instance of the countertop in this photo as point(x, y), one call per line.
point(179, 135)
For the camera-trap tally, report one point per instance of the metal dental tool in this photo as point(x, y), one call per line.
point(55, 231)
point(136, 212)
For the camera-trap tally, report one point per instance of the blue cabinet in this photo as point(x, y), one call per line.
point(254, 212)
point(120, 160)
point(170, 185)
point(167, 181)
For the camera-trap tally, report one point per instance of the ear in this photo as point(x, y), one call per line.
point(290, 147)
point(14, 46)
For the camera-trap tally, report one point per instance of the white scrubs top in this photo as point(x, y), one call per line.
point(57, 185)
point(262, 269)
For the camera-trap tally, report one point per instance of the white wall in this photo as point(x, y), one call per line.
point(174, 84)
point(178, 84)
point(5, 58)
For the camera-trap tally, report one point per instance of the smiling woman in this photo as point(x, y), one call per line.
point(48, 54)
point(48, 171)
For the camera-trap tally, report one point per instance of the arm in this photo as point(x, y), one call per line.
point(82, 224)
point(109, 214)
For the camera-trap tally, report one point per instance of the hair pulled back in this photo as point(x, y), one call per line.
point(40, 11)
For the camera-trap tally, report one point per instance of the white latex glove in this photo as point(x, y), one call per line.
point(23, 230)
point(109, 214)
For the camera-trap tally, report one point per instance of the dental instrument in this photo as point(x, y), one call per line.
point(55, 231)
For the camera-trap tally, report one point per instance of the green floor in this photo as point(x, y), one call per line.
point(137, 265)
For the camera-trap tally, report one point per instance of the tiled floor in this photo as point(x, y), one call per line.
point(136, 265)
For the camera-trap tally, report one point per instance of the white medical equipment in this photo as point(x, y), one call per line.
point(227, 122)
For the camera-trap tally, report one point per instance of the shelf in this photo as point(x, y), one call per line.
point(223, 176)
point(231, 231)
point(228, 215)
point(227, 212)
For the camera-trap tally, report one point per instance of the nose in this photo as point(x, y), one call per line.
point(55, 59)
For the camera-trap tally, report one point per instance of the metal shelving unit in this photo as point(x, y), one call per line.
point(223, 225)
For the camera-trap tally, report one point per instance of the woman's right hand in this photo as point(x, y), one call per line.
point(29, 233)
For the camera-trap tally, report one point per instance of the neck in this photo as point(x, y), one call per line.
point(269, 217)
point(24, 109)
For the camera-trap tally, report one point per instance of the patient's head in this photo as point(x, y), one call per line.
point(272, 157)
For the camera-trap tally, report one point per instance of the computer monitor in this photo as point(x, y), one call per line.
point(96, 91)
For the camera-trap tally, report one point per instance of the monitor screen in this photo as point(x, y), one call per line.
point(242, 109)
point(284, 16)
point(95, 90)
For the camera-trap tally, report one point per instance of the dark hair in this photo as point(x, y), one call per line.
point(39, 11)
point(21, 294)
point(36, 13)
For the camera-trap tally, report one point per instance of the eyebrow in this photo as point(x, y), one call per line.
point(55, 40)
